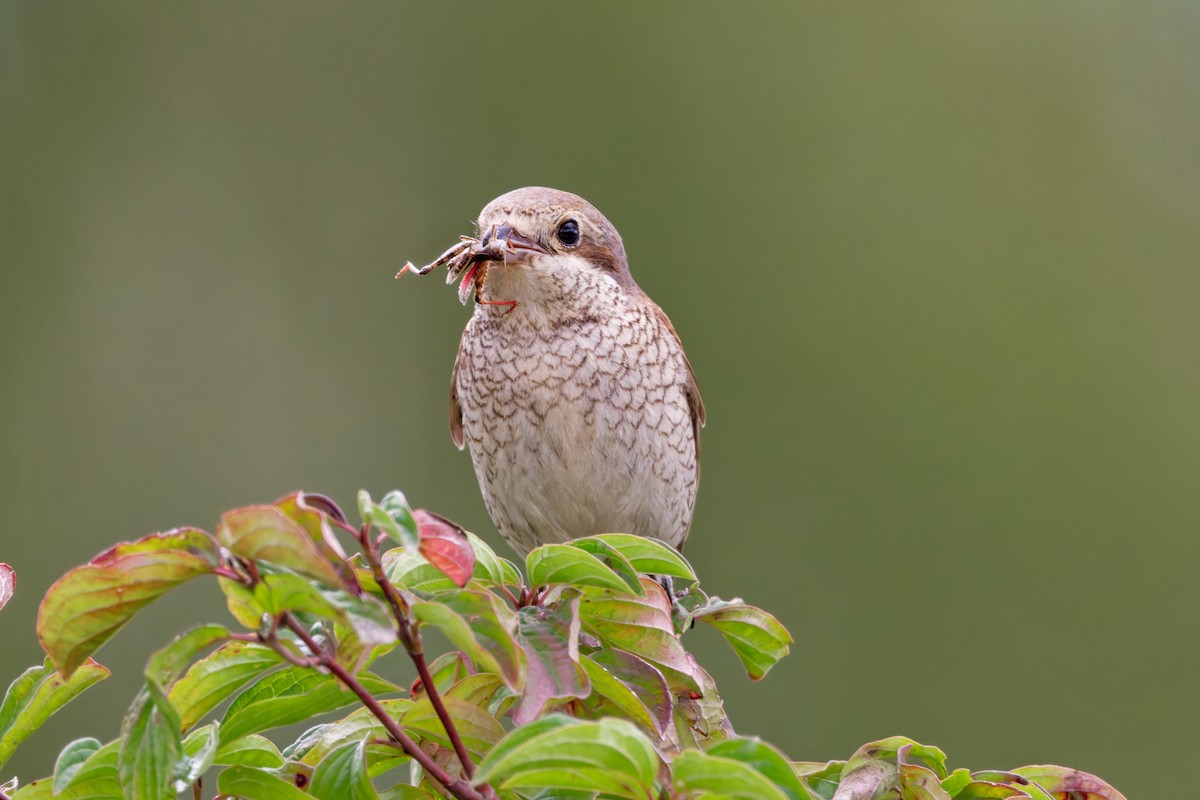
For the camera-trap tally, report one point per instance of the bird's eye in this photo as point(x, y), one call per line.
point(568, 232)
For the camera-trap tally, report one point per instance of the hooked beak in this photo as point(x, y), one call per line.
point(517, 247)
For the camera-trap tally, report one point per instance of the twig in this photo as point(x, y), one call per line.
point(416, 651)
point(274, 642)
point(511, 597)
point(435, 700)
point(459, 787)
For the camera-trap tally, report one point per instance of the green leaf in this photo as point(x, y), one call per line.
point(305, 741)
point(151, 746)
point(490, 569)
point(956, 781)
point(552, 564)
point(391, 515)
point(256, 784)
point(356, 726)
point(71, 760)
point(352, 653)
point(765, 760)
point(403, 791)
point(820, 778)
point(96, 779)
point(35, 695)
point(450, 668)
point(612, 558)
point(166, 663)
point(218, 676)
point(366, 616)
point(1063, 781)
point(901, 750)
point(199, 753)
point(478, 729)
point(249, 751)
point(756, 636)
point(483, 690)
point(242, 604)
point(555, 752)
point(617, 695)
point(991, 783)
point(649, 556)
point(292, 694)
point(642, 626)
point(478, 689)
point(695, 771)
point(988, 790)
point(342, 775)
point(266, 534)
point(278, 592)
point(409, 570)
point(85, 607)
point(549, 638)
point(519, 736)
point(479, 626)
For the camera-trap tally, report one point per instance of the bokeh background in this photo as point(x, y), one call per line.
point(936, 265)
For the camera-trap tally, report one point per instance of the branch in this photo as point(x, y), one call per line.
point(412, 643)
point(459, 787)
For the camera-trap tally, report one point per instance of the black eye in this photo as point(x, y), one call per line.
point(568, 232)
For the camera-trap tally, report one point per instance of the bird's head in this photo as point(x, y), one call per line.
point(556, 245)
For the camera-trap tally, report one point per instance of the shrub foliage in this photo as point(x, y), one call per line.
point(570, 681)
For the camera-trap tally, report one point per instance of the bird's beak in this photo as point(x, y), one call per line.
point(517, 246)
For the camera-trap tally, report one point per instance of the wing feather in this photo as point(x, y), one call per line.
point(695, 401)
point(456, 415)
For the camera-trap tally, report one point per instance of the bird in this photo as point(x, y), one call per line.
point(570, 387)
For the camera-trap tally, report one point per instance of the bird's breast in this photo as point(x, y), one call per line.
point(565, 376)
point(577, 426)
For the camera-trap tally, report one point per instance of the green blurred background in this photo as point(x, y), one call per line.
point(936, 265)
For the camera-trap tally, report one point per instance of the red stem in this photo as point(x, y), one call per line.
point(459, 787)
point(412, 643)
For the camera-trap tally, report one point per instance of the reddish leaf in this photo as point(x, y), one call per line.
point(702, 712)
point(318, 516)
point(642, 626)
point(550, 638)
point(1069, 784)
point(8, 583)
point(643, 680)
point(90, 603)
point(446, 546)
point(191, 540)
point(265, 533)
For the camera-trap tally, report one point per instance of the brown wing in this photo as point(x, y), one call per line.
point(456, 428)
point(695, 402)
